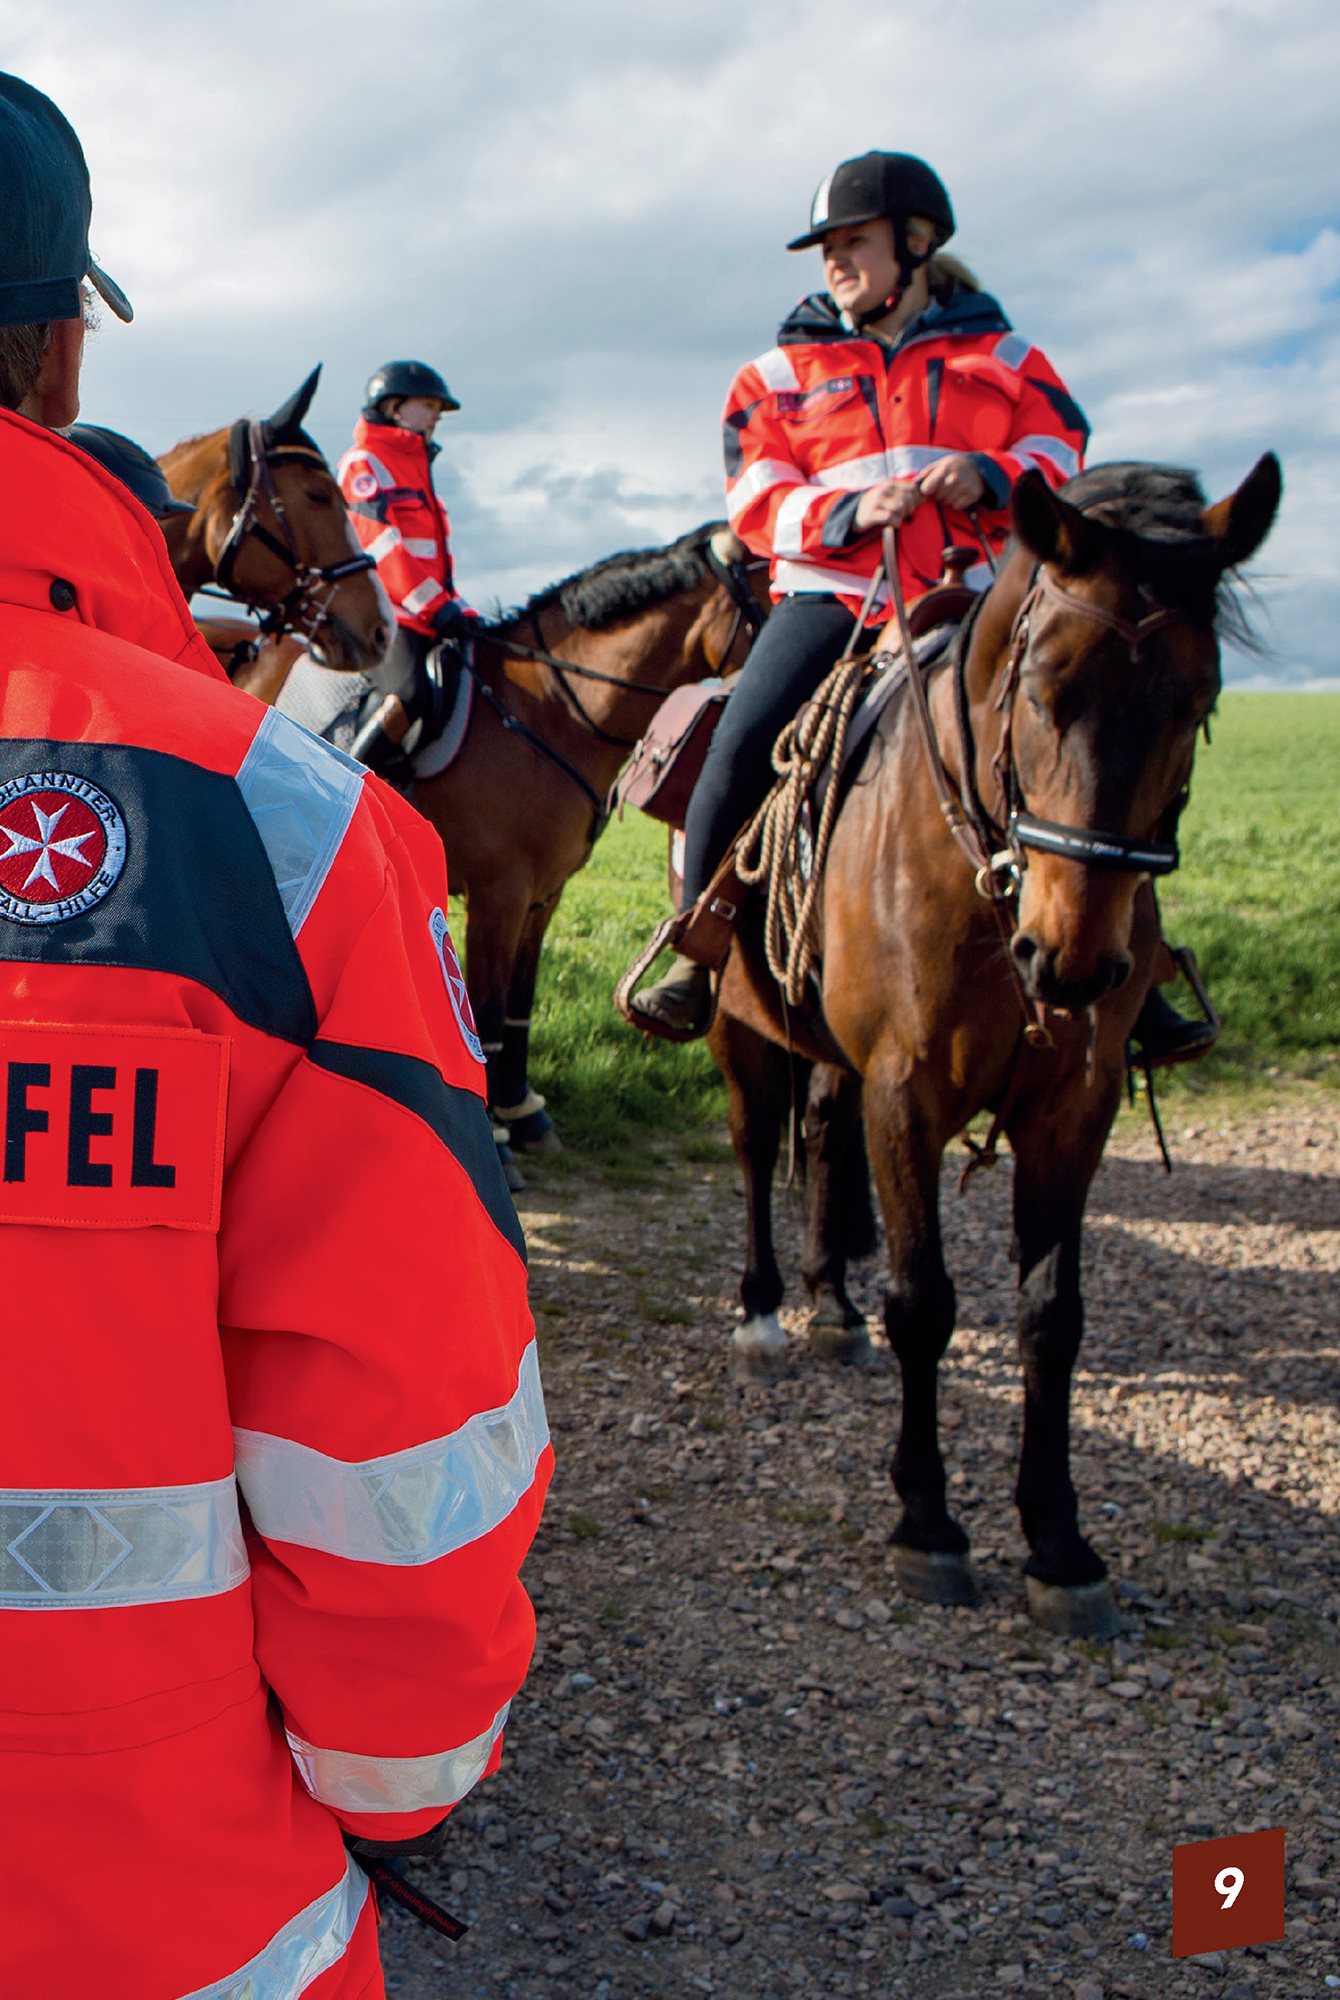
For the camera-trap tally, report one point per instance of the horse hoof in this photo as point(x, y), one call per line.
point(935, 1576)
point(830, 1340)
point(1076, 1610)
point(759, 1349)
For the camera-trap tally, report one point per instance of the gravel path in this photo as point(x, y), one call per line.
point(743, 1766)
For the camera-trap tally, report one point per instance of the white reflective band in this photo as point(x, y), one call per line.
point(800, 576)
point(301, 795)
point(1011, 348)
point(152, 1545)
point(854, 473)
point(410, 1507)
point(422, 595)
point(819, 206)
point(765, 472)
point(418, 545)
point(1031, 449)
point(351, 1783)
point(388, 539)
point(788, 528)
point(295, 1958)
point(906, 459)
point(777, 369)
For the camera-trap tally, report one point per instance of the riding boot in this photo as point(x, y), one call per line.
point(1163, 1036)
point(381, 733)
point(680, 1003)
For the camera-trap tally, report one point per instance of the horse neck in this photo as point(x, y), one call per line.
point(196, 471)
point(983, 679)
point(657, 650)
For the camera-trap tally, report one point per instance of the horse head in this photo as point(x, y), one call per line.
point(270, 525)
point(1115, 604)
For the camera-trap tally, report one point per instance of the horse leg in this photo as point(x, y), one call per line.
point(758, 1086)
point(494, 920)
point(930, 1549)
point(1054, 1164)
point(519, 1107)
point(838, 1219)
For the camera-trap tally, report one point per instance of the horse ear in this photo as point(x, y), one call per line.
point(1241, 523)
point(1051, 528)
point(288, 417)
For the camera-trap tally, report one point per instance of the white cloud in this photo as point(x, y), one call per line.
point(579, 214)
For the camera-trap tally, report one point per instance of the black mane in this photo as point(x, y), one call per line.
point(1158, 515)
point(621, 586)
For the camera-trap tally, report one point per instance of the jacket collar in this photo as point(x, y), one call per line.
point(965, 311)
point(65, 519)
point(393, 441)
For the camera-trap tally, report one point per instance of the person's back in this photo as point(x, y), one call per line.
point(263, 1499)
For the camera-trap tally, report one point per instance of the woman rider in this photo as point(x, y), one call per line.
point(899, 396)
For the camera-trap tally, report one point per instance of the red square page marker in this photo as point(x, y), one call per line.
point(1228, 1892)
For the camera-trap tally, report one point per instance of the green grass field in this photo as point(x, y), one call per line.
point(1257, 897)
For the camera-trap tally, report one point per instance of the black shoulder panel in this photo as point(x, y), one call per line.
point(195, 893)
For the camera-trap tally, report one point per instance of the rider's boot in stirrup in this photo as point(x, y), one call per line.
point(381, 733)
point(680, 1002)
point(1163, 1037)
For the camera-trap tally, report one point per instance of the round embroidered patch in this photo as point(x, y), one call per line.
point(64, 847)
point(455, 978)
point(363, 485)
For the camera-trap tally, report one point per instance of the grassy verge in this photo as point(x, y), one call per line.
point(1257, 897)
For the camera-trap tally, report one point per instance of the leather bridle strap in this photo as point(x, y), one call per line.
point(249, 453)
point(1133, 631)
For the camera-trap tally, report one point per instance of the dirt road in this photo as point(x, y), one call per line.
point(743, 1766)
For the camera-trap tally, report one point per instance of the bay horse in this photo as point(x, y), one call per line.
point(1065, 723)
point(564, 688)
point(270, 529)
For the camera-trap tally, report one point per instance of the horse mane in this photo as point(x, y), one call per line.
point(1157, 513)
point(621, 586)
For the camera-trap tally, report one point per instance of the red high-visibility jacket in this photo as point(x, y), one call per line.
point(272, 1441)
point(386, 478)
point(828, 412)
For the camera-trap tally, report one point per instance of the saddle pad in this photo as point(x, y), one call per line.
point(432, 759)
point(323, 701)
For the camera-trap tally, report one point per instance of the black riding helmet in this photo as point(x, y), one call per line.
point(405, 378)
point(132, 465)
point(892, 184)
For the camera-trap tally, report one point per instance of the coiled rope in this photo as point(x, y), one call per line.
point(772, 845)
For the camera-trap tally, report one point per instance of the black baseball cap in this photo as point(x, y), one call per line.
point(45, 214)
point(877, 184)
point(132, 465)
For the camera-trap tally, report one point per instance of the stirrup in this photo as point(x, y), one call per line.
point(1185, 960)
point(665, 937)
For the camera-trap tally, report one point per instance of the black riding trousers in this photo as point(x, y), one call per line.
point(802, 639)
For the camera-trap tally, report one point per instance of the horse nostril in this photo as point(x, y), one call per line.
point(1024, 946)
point(1118, 970)
point(380, 637)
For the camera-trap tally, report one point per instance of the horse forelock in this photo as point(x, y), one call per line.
point(1155, 515)
point(621, 586)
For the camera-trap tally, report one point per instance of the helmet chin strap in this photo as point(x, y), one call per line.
point(909, 263)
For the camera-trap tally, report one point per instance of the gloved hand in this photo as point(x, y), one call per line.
point(429, 1844)
point(453, 621)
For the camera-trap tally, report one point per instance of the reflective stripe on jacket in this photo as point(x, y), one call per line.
point(272, 1443)
point(386, 478)
point(827, 412)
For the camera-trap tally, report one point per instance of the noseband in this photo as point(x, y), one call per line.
point(304, 609)
point(1023, 829)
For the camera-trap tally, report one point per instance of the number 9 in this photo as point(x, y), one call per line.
point(1228, 1884)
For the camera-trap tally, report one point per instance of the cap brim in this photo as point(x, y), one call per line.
point(175, 506)
point(110, 292)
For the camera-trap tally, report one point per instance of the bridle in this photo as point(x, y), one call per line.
point(304, 609)
point(998, 854)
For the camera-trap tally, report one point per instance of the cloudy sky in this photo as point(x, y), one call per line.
point(577, 213)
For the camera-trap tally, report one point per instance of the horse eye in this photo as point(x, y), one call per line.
point(320, 496)
point(1038, 706)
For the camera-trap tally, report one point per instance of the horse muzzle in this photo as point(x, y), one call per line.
point(1056, 978)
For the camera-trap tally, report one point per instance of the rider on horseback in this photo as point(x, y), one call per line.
point(900, 396)
point(387, 480)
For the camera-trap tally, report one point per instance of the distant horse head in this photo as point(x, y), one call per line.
point(1107, 621)
point(270, 527)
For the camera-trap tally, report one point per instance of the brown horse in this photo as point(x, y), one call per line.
point(271, 530)
point(1072, 703)
point(564, 688)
